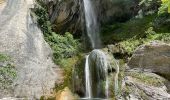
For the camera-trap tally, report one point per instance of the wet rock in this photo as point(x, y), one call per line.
point(154, 56)
point(100, 64)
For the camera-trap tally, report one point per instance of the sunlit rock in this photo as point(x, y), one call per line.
point(23, 41)
point(154, 57)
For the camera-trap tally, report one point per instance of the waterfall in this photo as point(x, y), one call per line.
point(92, 26)
point(96, 72)
point(87, 77)
point(107, 80)
point(96, 66)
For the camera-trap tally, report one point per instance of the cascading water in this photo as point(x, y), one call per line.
point(116, 82)
point(87, 77)
point(96, 66)
point(96, 72)
point(92, 26)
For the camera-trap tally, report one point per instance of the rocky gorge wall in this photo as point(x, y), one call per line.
point(23, 41)
point(68, 15)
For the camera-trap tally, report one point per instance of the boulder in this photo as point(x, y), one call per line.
point(139, 85)
point(154, 56)
point(100, 64)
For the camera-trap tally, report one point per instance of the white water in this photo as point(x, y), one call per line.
point(98, 58)
point(88, 79)
point(92, 25)
point(107, 78)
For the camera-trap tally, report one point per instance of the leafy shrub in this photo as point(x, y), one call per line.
point(148, 7)
point(63, 46)
point(7, 72)
point(4, 58)
point(165, 7)
point(131, 44)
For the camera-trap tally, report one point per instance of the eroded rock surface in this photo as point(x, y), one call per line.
point(139, 85)
point(154, 57)
point(23, 41)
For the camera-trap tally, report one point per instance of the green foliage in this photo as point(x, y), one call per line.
point(122, 31)
point(7, 73)
point(4, 58)
point(148, 7)
point(40, 14)
point(63, 46)
point(68, 65)
point(131, 44)
point(165, 7)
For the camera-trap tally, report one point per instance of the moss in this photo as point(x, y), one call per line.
point(4, 57)
point(146, 79)
point(128, 90)
point(143, 95)
point(7, 72)
point(67, 65)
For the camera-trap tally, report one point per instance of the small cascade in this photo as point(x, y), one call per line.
point(92, 26)
point(116, 81)
point(96, 65)
point(96, 72)
point(87, 77)
point(107, 82)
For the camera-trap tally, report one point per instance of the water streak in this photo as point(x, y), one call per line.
point(92, 26)
point(96, 72)
point(116, 88)
point(88, 78)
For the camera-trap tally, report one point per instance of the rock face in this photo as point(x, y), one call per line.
point(154, 57)
point(66, 15)
point(23, 41)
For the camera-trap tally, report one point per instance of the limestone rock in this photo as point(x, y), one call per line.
point(22, 40)
point(154, 57)
point(136, 87)
point(66, 16)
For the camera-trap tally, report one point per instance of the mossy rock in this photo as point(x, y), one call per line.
point(8, 74)
point(154, 56)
